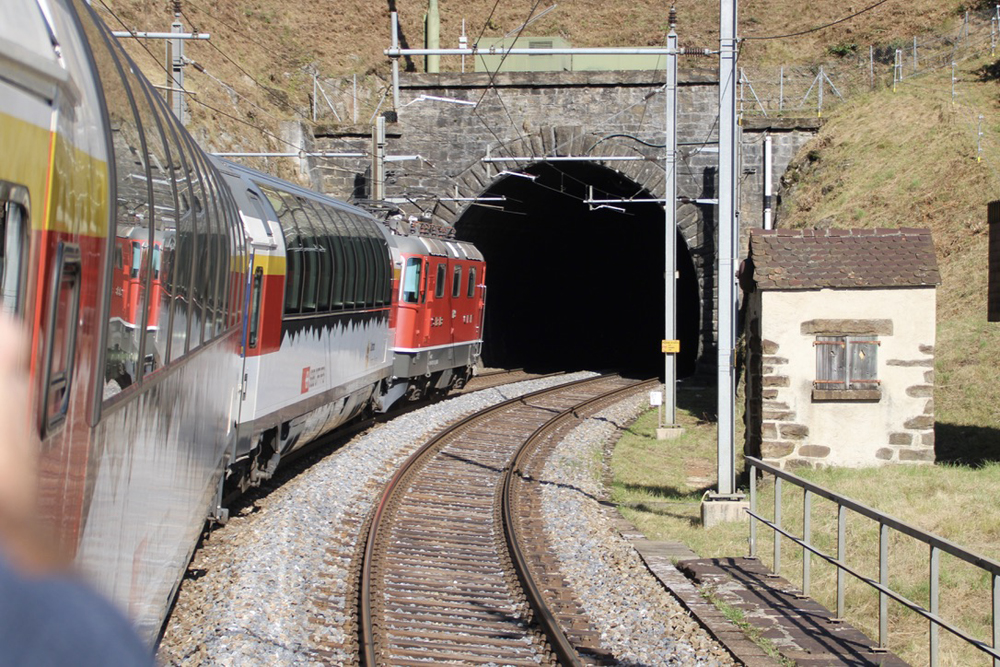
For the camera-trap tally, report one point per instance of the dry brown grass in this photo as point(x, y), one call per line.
point(278, 45)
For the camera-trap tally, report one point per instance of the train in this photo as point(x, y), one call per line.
point(191, 321)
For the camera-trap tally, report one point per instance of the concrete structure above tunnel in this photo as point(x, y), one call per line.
point(538, 115)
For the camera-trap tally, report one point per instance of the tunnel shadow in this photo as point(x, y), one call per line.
point(572, 286)
point(965, 445)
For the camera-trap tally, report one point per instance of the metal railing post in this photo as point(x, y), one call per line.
point(777, 522)
point(753, 509)
point(883, 578)
point(841, 556)
point(996, 616)
point(935, 596)
point(806, 537)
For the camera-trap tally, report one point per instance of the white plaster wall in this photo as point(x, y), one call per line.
point(853, 431)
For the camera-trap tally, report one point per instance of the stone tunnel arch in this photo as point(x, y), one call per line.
point(575, 286)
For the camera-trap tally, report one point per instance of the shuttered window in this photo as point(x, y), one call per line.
point(846, 362)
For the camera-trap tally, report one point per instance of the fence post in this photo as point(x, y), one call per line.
point(806, 537)
point(897, 70)
point(355, 99)
point(883, 578)
point(777, 523)
point(935, 595)
point(314, 98)
point(979, 140)
point(819, 98)
point(915, 65)
point(953, 84)
point(781, 89)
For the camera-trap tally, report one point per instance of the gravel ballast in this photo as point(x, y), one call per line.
point(258, 593)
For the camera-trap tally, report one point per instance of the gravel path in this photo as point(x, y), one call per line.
point(258, 590)
point(639, 622)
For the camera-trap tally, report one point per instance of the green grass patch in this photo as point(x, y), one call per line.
point(659, 484)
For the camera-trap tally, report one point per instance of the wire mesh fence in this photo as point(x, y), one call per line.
point(814, 90)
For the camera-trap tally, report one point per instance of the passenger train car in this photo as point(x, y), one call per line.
point(190, 320)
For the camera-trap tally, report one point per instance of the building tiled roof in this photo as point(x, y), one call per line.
point(814, 259)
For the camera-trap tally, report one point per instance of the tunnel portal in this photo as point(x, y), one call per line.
point(572, 286)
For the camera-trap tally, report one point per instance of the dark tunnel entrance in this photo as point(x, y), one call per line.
point(571, 286)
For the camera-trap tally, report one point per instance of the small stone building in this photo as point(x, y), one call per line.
point(839, 329)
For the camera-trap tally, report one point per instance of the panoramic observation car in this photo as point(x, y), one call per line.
point(190, 320)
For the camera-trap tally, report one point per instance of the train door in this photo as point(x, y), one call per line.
point(439, 304)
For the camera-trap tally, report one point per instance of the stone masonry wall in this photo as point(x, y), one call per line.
point(789, 425)
point(561, 114)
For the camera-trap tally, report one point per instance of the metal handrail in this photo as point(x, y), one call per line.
point(936, 543)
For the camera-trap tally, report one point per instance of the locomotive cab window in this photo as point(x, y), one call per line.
point(13, 252)
point(472, 281)
point(411, 281)
point(456, 283)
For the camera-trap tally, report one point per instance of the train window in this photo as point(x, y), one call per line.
point(456, 282)
point(411, 280)
point(155, 311)
point(179, 247)
point(14, 236)
point(439, 284)
point(133, 211)
point(310, 255)
point(334, 244)
point(61, 332)
point(293, 259)
point(472, 282)
point(199, 251)
point(323, 233)
point(136, 258)
point(352, 261)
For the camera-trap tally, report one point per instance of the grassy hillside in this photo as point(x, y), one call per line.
point(258, 67)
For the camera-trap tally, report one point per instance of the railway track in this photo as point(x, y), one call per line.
point(455, 566)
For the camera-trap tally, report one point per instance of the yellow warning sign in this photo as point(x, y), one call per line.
point(670, 346)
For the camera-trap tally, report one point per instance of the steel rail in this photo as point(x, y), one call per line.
point(561, 644)
point(365, 622)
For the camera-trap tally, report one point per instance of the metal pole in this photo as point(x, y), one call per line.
point(378, 159)
point(996, 617)
point(935, 598)
point(463, 43)
point(781, 88)
point(777, 523)
point(433, 36)
point(819, 108)
point(177, 65)
point(670, 231)
point(314, 98)
point(395, 61)
point(841, 556)
point(807, 538)
point(767, 181)
point(883, 578)
point(753, 510)
point(355, 116)
point(953, 84)
point(727, 243)
point(915, 67)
